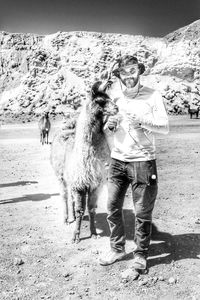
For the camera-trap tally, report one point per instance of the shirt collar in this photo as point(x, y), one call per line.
point(132, 92)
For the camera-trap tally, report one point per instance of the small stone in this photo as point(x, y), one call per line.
point(80, 249)
point(71, 292)
point(18, 262)
point(161, 278)
point(130, 274)
point(143, 282)
point(66, 275)
point(67, 279)
point(154, 279)
point(124, 281)
point(172, 280)
point(95, 251)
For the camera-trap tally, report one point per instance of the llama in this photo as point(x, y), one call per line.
point(44, 127)
point(193, 110)
point(81, 170)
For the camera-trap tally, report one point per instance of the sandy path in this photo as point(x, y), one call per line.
point(37, 260)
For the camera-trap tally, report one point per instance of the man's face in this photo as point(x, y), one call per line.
point(129, 75)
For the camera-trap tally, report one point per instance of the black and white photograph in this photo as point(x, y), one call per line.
point(100, 150)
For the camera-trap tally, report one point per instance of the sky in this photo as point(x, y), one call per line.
point(146, 17)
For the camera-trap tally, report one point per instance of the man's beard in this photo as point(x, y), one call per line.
point(130, 82)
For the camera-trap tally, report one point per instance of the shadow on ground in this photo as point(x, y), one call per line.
point(102, 225)
point(164, 247)
point(17, 183)
point(31, 197)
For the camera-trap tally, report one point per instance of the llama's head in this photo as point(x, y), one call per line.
point(101, 104)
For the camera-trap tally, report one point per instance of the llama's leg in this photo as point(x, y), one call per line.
point(47, 133)
point(92, 205)
point(70, 206)
point(80, 201)
point(43, 137)
point(67, 203)
point(64, 198)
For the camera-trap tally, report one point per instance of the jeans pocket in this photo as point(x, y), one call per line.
point(147, 173)
point(152, 173)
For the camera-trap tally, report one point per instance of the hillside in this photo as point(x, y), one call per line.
point(55, 72)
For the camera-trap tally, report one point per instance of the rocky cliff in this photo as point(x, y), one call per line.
point(55, 72)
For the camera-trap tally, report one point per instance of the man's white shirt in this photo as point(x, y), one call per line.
point(136, 143)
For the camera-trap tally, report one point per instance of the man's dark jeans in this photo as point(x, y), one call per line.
point(142, 176)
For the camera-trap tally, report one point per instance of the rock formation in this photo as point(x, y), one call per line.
point(51, 72)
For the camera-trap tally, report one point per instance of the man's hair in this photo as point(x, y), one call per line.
point(127, 60)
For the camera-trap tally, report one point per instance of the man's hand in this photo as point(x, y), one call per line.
point(112, 122)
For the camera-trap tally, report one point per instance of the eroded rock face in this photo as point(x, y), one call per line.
point(55, 72)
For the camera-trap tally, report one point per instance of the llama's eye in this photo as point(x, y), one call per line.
point(100, 101)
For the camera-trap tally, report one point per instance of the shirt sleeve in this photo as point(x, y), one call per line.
point(157, 121)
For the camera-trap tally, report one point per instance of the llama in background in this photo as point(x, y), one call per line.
point(44, 127)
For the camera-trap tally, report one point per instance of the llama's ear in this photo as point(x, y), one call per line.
point(141, 68)
point(95, 88)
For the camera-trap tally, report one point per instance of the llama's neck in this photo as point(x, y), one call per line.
point(87, 131)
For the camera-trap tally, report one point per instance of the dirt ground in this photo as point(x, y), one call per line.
point(37, 259)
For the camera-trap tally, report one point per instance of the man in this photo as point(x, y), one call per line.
point(131, 138)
